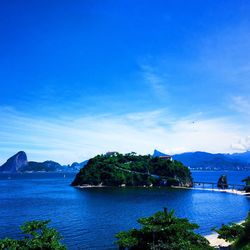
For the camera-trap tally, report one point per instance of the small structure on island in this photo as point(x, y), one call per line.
point(162, 155)
point(166, 157)
point(222, 182)
point(111, 153)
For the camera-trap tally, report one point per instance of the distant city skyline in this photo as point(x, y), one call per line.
point(80, 78)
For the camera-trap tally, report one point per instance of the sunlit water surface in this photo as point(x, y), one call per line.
point(89, 218)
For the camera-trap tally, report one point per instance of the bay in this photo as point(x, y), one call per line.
point(89, 218)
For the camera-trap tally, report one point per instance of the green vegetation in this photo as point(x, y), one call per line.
point(37, 237)
point(238, 234)
point(162, 231)
point(132, 170)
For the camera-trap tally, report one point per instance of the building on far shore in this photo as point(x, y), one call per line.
point(166, 157)
point(111, 153)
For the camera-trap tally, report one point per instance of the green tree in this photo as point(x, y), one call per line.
point(163, 230)
point(132, 170)
point(37, 236)
point(237, 234)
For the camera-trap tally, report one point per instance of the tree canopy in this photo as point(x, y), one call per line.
point(132, 170)
point(163, 230)
point(37, 236)
point(237, 234)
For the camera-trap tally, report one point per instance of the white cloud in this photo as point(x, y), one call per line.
point(75, 139)
point(242, 144)
point(156, 81)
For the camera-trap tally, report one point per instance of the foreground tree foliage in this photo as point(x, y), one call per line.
point(37, 236)
point(132, 170)
point(237, 234)
point(163, 231)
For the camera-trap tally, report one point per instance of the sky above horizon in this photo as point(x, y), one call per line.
point(78, 78)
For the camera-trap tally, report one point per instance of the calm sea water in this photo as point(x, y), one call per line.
point(89, 218)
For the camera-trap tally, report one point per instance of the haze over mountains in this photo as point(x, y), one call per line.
point(195, 160)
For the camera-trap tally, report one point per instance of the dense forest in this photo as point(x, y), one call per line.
point(133, 170)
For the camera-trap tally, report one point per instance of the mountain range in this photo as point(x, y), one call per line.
point(19, 163)
point(194, 160)
point(208, 161)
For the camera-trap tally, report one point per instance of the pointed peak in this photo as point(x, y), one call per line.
point(158, 153)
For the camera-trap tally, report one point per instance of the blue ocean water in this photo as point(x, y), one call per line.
point(89, 218)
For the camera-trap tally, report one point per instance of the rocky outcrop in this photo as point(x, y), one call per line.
point(15, 163)
point(222, 182)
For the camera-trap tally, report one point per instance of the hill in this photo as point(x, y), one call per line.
point(132, 170)
point(204, 160)
point(15, 163)
point(19, 163)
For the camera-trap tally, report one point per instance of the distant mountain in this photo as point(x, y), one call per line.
point(204, 160)
point(15, 163)
point(158, 154)
point(241, 156)
point(47, 166)
point(78, 166)
point(194, 160)
point(20, 163)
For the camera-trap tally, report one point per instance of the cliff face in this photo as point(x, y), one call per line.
point(15, 163)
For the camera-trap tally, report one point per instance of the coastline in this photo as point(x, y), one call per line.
point(230, 191)
point(90, 186)
point(214, 241)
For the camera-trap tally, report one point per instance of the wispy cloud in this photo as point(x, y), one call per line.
point(74, 139)
point(155, 80)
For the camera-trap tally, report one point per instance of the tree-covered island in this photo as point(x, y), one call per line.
point(115, 169)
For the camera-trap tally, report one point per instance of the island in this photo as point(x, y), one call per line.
point(115, 169)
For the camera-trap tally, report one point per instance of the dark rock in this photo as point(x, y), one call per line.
point(15, 163)
point(222, 182)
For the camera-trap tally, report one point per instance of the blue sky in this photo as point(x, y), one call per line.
point(79, 78)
